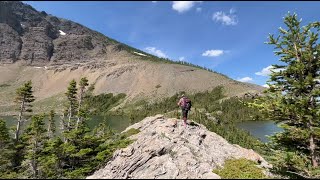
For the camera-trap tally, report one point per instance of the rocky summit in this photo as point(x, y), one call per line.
point(161, 150)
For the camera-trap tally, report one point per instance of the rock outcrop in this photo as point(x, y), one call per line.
point(38, 38)
point(10, 44)
point(161, 150)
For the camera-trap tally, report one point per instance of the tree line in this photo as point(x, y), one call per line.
point(38, 151)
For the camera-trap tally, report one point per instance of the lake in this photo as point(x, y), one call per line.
point(260, 129)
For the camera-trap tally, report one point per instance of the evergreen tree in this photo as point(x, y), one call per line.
point(51, 124)
point(293, 97)
point(23, 97)
point(51, 160)
point(72, 101)
point(6, 149)
point(35, 138)
point(63, 124)
point(83, 84)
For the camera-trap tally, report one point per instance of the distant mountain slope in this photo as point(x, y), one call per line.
point(59, 50)
point(39, 38)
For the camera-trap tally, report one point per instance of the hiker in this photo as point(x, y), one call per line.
point(185, 105)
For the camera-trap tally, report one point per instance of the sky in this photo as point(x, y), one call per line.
point(225, 36)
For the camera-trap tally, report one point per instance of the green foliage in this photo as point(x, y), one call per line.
point(234, 110)
point(4, 133)
point(130, 132)
point(102, 103)
point(40, 154)
point(229, 110)
point(293, 97)
point(82, 108)
point(106, 149)
point(34, 138)
point(83, 83)
point(24, 98)
point(25, 94)
point(51, 159)
point(235, 135)
point(72, 92)
point(6, 149)
point(51, 124)
point(240, 169)
point(9, 175)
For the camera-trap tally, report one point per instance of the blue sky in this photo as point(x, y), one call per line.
point(227, 37)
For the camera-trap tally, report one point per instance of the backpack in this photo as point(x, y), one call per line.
point(187, 104)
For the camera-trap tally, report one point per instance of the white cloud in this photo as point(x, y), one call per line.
point(199, 9)
point(266, 85)
point(245, 79)
point(226, 18)
point(267, 71)
point(181, 58)
point(182, 6)
point(155, 51)
point(154, 1)
point(213, 53)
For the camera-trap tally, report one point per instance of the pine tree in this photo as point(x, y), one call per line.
point(51, 161)
point(72, 101)
point(23, 97)
point(83, 84)
point(35, 139)
point(63, 124)
point(6, 149)
point(51, 124)
point(293, 97)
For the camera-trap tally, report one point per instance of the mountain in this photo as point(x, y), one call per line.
point(161, 151)
point(51, 51)
point(39, 38)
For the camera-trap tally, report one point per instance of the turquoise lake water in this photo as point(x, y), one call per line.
point(260, 129)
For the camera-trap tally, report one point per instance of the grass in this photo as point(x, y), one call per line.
point(54, 102)
point(240, 169)
point(130, 132)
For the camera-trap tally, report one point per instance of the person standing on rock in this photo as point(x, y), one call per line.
point(185, 105)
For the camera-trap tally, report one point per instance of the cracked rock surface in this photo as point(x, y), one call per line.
point(162, 151)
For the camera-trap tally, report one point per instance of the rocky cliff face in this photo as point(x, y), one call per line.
point(163, 151)
point(38, 38)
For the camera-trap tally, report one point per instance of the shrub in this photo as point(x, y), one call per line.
point(130, 132)
point(240, 169)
